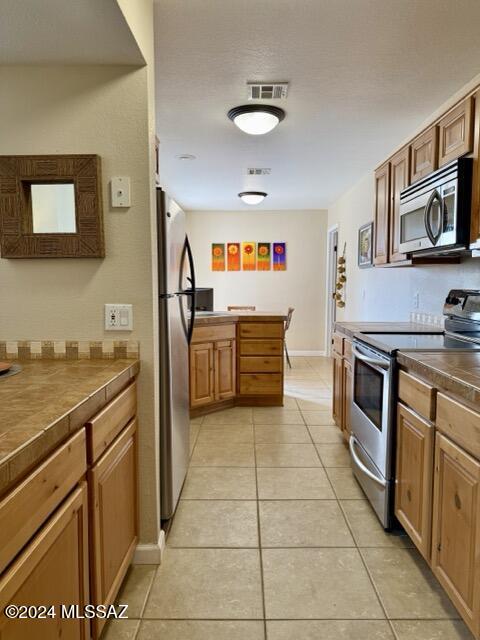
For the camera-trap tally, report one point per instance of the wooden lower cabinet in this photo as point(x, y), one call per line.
point(347, 384)
point(113, 521)
point(225, 370)
point(456, 528)
point(337, 406)
point(202, 374)
point(51, 570)
point(413, 481)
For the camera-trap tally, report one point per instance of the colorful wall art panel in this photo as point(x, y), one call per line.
point(218, 257)
point(233, 256)
point(279, 256)
point(248, 256)
point(263, 256)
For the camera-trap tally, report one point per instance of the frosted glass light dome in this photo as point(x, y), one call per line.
point(256, 119)
point(252, 197)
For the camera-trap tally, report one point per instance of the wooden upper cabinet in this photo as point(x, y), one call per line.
point(424, 154)
point(202, 374)
point(400, 178)
point(456, 528)
point(413, 478)
point(225, 369)
point(382, 211)
point(456, 133)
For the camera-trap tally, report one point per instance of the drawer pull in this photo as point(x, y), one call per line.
point(458, 502)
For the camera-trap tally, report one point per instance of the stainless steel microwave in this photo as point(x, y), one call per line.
point(435, 211)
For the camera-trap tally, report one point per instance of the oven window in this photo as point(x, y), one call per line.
point(413, 225)
point(368, 392)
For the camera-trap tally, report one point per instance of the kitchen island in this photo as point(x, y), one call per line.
point(236, 359)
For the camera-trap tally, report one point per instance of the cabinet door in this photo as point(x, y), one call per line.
point(424, 154)
point(456, 133)
point(337, 409)
point(113, 487)
point(456, 528)
point(414, 476)
point(225, 369)
point(347, 398)
point(202, 383)
point(52, 570)
point(400, 178)
point(382, 211)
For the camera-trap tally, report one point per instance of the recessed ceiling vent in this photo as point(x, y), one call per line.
point(267, 91)
point(255, 171)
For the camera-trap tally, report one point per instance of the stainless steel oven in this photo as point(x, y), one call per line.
point(435, 211)
point(372, 423)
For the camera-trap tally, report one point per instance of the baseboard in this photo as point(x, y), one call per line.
point(150, 553)
point(306, 353)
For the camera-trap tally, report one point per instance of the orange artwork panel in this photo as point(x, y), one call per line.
point(218, 257)
point(233, 256)
point(248, 256)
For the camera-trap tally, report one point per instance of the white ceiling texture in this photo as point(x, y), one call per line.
point(363, 74)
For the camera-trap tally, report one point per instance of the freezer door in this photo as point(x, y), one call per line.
point(174, 405)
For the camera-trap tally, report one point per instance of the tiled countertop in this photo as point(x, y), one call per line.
point(458, 373)
point(351, 328)
point(243, 316)
point(48, 400)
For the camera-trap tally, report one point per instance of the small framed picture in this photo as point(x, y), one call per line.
point(365, 245)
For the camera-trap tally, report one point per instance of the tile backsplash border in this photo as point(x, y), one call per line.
point(68, 349)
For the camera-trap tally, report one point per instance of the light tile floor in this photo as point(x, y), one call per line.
point(274, 540)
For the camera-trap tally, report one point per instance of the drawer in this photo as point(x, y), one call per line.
point(418, 395)
point(256, 364)
point(261, 347)
point(106, 425)
point(337, 342)
point(211, 333)
point(24, 509)
point(261, 330)
point(258, 384)
point(459, 423)
point(347, 349)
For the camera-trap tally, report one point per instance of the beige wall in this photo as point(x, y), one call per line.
point(103, 110)
point(303, 284)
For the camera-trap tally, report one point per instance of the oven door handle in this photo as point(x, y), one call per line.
point(368, 360)
point(361, 466)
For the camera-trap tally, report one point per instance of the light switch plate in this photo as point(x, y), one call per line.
point(120, 191)
point(118, 317)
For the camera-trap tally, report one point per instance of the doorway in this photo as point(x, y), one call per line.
point(332, 262)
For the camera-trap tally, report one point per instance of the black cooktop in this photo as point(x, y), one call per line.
point(391, 342)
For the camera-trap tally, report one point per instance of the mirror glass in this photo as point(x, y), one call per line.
point(53, 208)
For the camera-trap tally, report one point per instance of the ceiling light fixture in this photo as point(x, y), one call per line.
point(252, 197)
point(256, 119)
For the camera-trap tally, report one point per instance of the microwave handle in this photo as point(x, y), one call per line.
point(428, 217)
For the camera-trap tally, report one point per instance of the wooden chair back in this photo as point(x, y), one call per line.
point(289, 317)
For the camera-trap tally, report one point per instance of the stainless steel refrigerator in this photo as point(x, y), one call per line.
point(176, 279)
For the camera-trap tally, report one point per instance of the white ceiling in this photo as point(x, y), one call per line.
point(65, 32)
point(363, 74)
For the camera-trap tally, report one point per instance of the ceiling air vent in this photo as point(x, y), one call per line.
point(254, 171)
point(267, 91)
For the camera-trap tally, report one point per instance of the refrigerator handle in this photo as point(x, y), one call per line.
point(193, 287)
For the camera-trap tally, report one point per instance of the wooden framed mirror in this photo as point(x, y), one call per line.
point(51, 207)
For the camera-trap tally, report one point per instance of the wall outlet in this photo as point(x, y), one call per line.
point(118, 317)
point(120, 191)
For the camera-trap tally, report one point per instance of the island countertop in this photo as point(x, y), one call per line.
point(47, 401)
point(222, 317)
